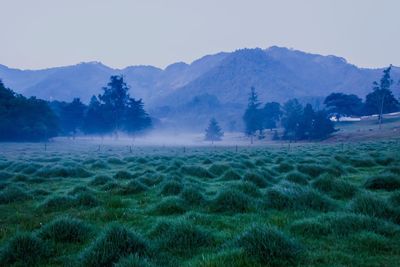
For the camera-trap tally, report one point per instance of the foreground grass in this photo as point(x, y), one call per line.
point(312, 205)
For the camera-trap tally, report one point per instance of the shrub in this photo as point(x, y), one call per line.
point(295, 197)
point(180, 237)
point(13, 194)
point(231, 200)
point(133, 187)
point(65, 230)
point(218, 169)
point(270, 246)
point(386, 182)
point(335, 187)
point(231, 175)
point(133, 260)
point(342, 224)
point(171, 188)
point(170, 205)
point(24, 250)
point(196, 171)
point(100, 180)
point(256, 179)
point(113, 244)
point(192, 196)
point(297, 177)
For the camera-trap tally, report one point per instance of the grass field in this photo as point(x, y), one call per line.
point(310, 205)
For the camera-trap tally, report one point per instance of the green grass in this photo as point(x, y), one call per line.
point(313, 205)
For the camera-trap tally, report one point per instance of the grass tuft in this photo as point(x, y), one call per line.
point(386, 182)
point(66, 229)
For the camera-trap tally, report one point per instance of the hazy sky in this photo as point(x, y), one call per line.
point(46, 33)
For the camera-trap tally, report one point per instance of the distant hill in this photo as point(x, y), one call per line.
point(179, 92)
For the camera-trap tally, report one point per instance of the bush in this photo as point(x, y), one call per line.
point(100, 180)
point(171, 188)
point(270, 246)
point(13, 194)
point(297, 177)
point(181, 237)
point(113, 244)
point(196, 171)
point(256, 179)
point(342, 224)
point(290, 196)
point(231, 175)
point(65, 230)
point(386, 182)
point(170, 205)
point(334, 187)
point(231, 200)
point(133, 261)
point(192, 195)
point(24, 250)
point(133, 187)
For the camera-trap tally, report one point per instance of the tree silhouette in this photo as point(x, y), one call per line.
point(213, 131)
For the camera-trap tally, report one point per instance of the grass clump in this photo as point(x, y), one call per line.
point(231, 200)
point(170, 206)
point(133, 260)
point(256, 179)
point(113, 244)
point(180, 237)
point(270, 246)
point(123, 175)
point(284, 167)
point(87, 199)
point(342, 224)
point(297, 177)
point(386, 182)
point(171, 188)
point(218, 169)
point(196, 171)
point(231, 175)
point(295, 197)
point(66, 229)
point(133, 187)
point(100, 180)
point(57, 203)
point(13, 194)
point(394, 199)
point(372, 243)
point(313, 170)
point(24, 250)
point(334, 187)
point(192, 195)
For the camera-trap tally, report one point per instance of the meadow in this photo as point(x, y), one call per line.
point(325, 204)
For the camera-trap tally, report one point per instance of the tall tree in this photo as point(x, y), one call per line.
point(322, 126)
point(306, 123)
point(213, 131)
point(381, 100)
point(271, 114)
point(343, 105)
point(115, 98)
point(136, 119)
point(292, 114)
point(252, 115)
point(95, 121)
point(71, 116)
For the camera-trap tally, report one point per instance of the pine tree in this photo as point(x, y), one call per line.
point(252, 115)
point(213, 131)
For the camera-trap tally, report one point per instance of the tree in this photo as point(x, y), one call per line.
point(213, 131)
point(271, 114)
point(381, 100)
point(115, 99)
point(71, 116)
point(95, 121)
point(252, 115)
point(306, 123)
point(343, 105)
point(322, 126)
point(135, 118)
point(23, 119)
point(292, 114)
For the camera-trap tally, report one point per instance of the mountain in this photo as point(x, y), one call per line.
point(180, 91)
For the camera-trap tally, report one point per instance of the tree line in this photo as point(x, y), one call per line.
point(31, 119)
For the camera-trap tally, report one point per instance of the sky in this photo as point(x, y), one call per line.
point(119, 33)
